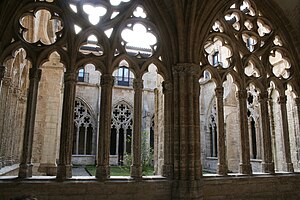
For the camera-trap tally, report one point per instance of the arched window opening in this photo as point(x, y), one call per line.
point(123, 76)
point(121, 133)
point(153, 122)
point(83, 76)
point(84, 131)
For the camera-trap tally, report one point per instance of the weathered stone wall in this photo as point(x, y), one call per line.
point(89, 190)
point(265, 187)
point(256, 187)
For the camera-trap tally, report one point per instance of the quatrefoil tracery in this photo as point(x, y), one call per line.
point(251, 36)
point(41, 27)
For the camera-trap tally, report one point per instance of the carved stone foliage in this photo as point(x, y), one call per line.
point(243, 41)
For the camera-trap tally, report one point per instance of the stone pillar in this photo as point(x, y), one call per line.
point(136, 167)
point(267, 157)
point(64, 168)
point(222, 160)
point(288, 165)
point(3, 107)
point(187, 163)
point(107, 82)
point(25, 169)
point(245, 166)
point(168, 139)
point(297, 103)
point(12, 130)
point(196, 92)
point(186, 134)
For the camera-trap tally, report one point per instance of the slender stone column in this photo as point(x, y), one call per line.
point(288, 165)
point(136, 167)
point(25, 169)
point(3, 102)
point(107, 82)
point(297, 102)
point(222, 160)
point(11, 130)
point(198, 164)
point(168, 140)
point(64, 168)
point(245, 166)
point(267, 159)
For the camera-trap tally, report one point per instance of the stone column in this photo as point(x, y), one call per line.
point(245, 166)
point(12, 125)
point(25, 169)
point(187, 163)
point(136, 167)
point(267, 157)
point(196, 92)
point(288, 165)
point(168, 139)
point(222, 160)
point(3, 102)
point(297, 103)
point(64, 168)
point(107, 82)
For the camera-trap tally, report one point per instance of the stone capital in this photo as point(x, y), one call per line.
point(241, 94)
point(138, 84)
point(263, 96)
point(107, 80)
point(167, 87)
point(282, 99)
point(219, 92)
point(297, 101)
point(35, 73)
point(189, 68)
point(70, 77)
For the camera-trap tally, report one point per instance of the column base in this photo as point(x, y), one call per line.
point(64, 172)
point(288, 167)
point(268, 167)
point(187, 190)
point(25, 170)
point(102, 172)
point(222, 169)
point(245, 169)
point(48, 169)
point(168, 171)
point(136, 171)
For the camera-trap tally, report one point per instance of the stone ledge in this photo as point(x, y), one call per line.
point(8, 169)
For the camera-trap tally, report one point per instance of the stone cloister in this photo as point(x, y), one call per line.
point(216, 81)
